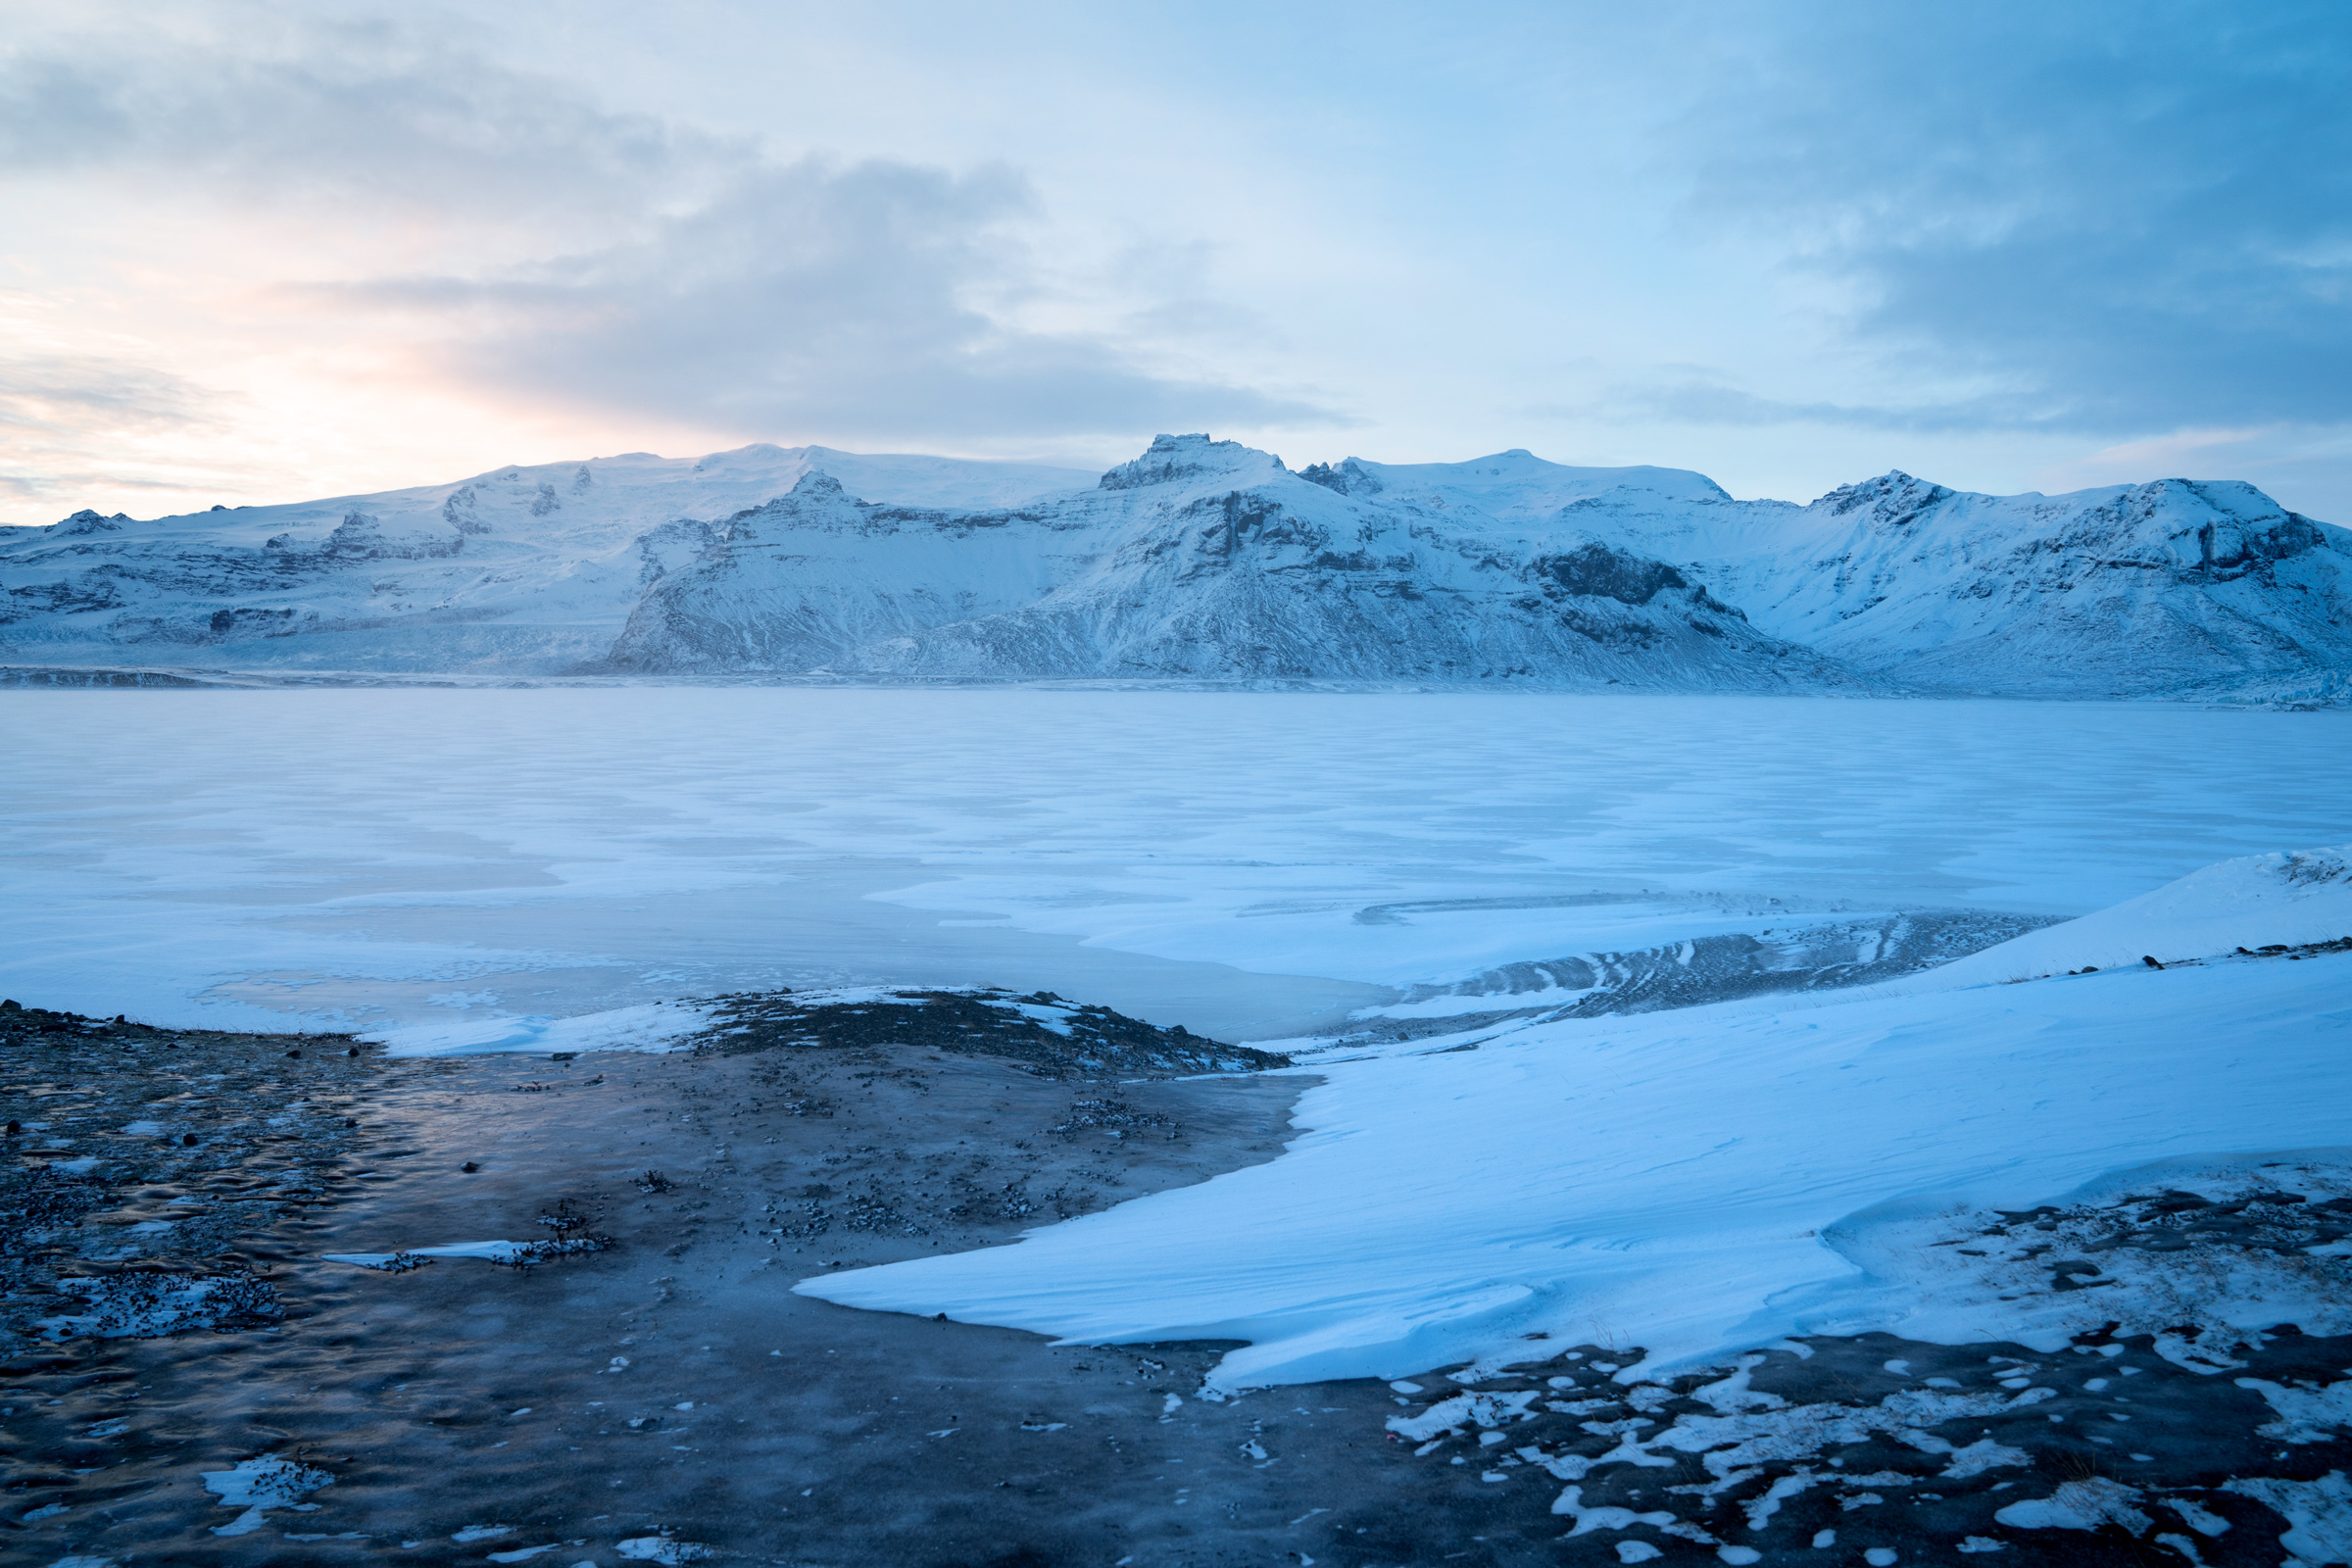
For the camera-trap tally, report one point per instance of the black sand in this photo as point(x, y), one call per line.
point(667, 1396)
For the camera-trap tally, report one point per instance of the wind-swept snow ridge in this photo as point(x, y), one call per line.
point(1668, 1179)
point(1209, 561)
point(2283, 900)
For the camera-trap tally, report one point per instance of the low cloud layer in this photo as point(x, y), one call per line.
point(279, 109)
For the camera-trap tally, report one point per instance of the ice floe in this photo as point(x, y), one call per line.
point(511, 1253)
point(662, 1549)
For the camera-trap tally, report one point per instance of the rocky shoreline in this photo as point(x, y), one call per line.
point(190, 1372)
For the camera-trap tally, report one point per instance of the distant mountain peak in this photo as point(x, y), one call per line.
point(818, 485)
point(1350, 479)
point(89, 522)
point(815, 496)
point(1177, 458)
point(1893, 499)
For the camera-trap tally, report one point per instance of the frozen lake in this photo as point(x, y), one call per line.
point(1249, 864)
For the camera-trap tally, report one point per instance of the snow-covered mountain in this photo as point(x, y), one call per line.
point(1201, 559)
point(1209, 561)
point(2159, 587)
point(523, 570)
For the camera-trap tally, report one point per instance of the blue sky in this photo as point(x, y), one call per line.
point(256, 252)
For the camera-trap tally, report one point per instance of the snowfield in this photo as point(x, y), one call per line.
point(1705, 1181)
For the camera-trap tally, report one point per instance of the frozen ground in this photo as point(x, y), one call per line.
point(1254, 866)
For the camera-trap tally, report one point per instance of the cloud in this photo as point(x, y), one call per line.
point(807, 296)
point(1709, 399)
point(78, 417)
point(52, 393)
point(286, 111)
point(587, 258)
point(2135, 216)
point(76, 425)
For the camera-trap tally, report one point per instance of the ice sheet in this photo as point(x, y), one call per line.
point(1239, 863)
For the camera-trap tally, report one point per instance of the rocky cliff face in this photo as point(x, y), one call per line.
point(1207, 559)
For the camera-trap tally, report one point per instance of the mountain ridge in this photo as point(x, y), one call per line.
point(1210, 560)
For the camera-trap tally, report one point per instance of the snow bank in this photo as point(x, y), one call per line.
point(2290, 898)
point(1666, 1180)
point(655, 1026)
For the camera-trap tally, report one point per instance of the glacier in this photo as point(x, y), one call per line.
point(1204, 562)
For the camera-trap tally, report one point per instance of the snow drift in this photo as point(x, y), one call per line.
point(1668, 1179)
point(2261, 901)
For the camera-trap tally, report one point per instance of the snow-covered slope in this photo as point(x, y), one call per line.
point(2258, 902)
point(2161, 587)
point(810, 579)
point(1512, 487)
point(1207, 559)
point(523, 570)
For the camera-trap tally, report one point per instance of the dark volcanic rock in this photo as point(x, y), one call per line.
point(1057, 1039)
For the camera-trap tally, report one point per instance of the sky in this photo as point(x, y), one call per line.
point(266, 252)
